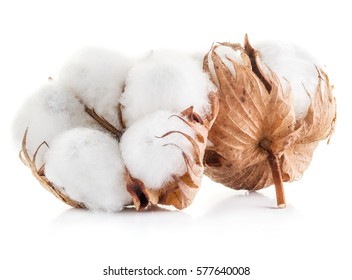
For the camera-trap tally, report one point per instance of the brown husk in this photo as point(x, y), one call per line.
point(257, 119)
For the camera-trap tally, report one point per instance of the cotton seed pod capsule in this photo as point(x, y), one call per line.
point(166, 168)
point(151, 154)
point(258, 138)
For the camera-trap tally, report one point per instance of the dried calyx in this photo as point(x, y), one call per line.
point(258, 139)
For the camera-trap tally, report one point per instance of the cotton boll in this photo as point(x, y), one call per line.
point(165, 80)
point(295, 68)
point(86, 165)
point(152, 159)
point(47, 113)
point(97, 76)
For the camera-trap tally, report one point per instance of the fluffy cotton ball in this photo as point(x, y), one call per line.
point(165, 80)
point(97, 76)
point(295, 68)
point(47, 113)
point(87, 165)
point(151, 159)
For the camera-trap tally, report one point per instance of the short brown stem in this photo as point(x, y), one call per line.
point(104, 123)
point(265, 144)
point(279, 188)
point(119, 112)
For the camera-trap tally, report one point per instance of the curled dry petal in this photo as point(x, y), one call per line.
point(256, 136)
point(181, 190)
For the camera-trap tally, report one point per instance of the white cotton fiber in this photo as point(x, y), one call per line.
point(48, 112)
point(295, 68)
point(151, 159)
point(165, 80)
point(97, 76)
point(87, 165)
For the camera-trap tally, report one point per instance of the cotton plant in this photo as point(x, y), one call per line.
point(110, 133)
point(130, 135)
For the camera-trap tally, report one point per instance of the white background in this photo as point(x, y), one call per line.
point(41, 238)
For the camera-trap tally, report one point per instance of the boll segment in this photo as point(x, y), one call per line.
point(47, 113)
point(86, 165)
point(96, 76)
point(165, 80)
point(147, 150)
point(181, 149)
point(296, 70)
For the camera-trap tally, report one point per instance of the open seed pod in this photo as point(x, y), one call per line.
point(257, 139)
point(180, 190)
point(111, 140)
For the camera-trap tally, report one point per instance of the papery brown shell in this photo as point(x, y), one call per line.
point(256, 116)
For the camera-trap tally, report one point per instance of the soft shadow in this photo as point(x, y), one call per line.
point(129, 217)
point(240, 212)
point(249, 208)
point(246, 201)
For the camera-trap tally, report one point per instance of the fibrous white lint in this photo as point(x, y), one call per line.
point(86, 164)
point(154, 159)
point(296, 70)
point(97, 76)
point(165, 80)
point(47, 113)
